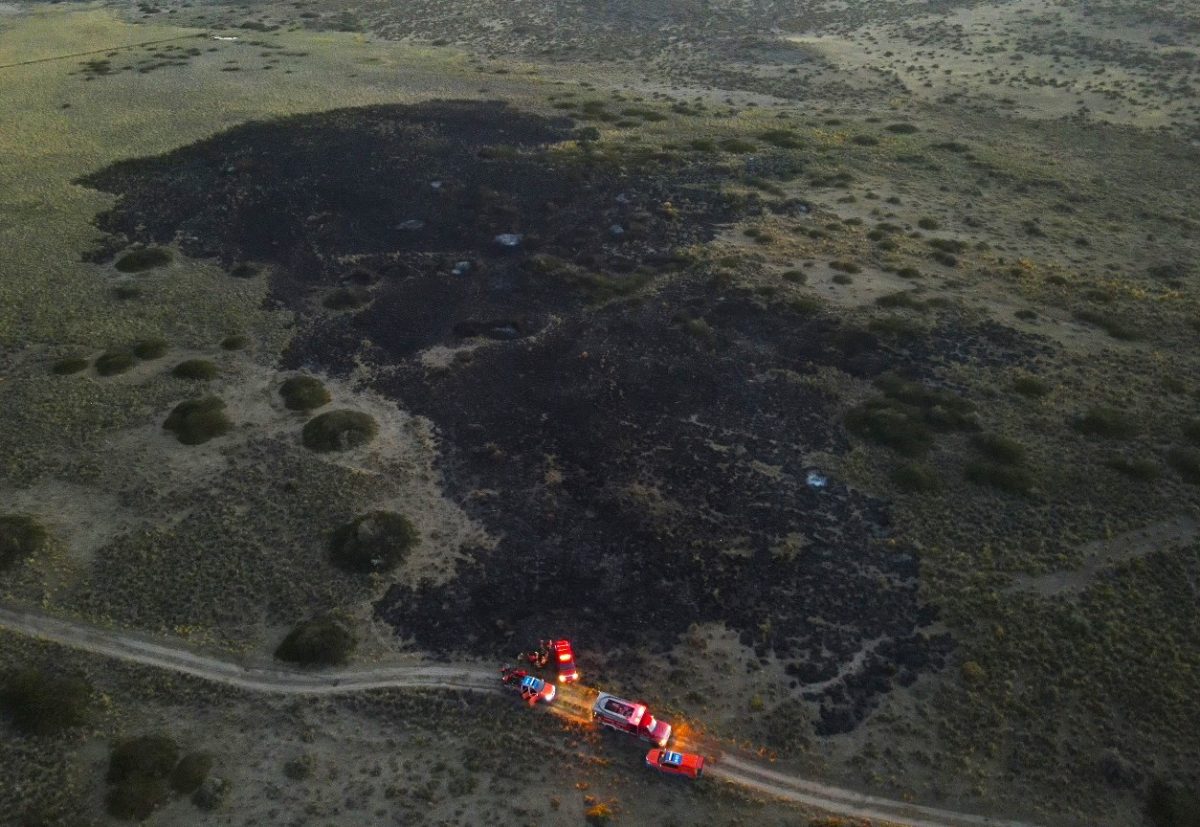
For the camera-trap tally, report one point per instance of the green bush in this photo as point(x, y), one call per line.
point(244, 270)
point(197, 369)
point(43, 704)
point(737, 146)
point(1113, 326)
point(1010, 478)
point(147, 258)
point(865, 140)
point(69, 365)
point(112, 362)
point(902, 299)
point(1134, 468)
point(845, 267)
point(1170, 806)
point(136, 798)
point(909, 273)
point(321, 641)
point(235, 342)
point(915, 478)
point(303, 393)
point(374, 542)
point(793, 276)
point(895, 426)
point(901, 128)
point(1108, 423)
point(1186, 462)
point(1030, 386)
point(196, 421)
point(928, 223)
point(127, 291)
point(339, 430)
point(148, 349)
point(190, 772)
point(999, 448)
point(783, 138)
point(148, 756)
point(347, 298)
point(21, 536)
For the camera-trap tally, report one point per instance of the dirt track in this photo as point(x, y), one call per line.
point(729, 769)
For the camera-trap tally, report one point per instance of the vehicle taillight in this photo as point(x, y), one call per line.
point(563, 658)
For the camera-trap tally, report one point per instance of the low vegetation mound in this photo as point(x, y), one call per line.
point(245, 270)
point(235, 342)
point(138, 770)
point(112, 362)
point(196, 421)
point(69, 365)
point(136, 261)
point(346, 298)
point(1186, 462)
point(339, 430)
point(21, 536)
point(197, 369)
point(908, 414)
point(39, 703)
point(915, 478)
point(148, 349)
point(303, 393)
point(374, 542)
point(321, 641)
point(1106, 423)
point(190, 772)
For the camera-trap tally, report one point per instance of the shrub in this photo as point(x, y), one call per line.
point(915, 478)
point(999, 448)
point(1105, 422)
point(903, 299)
point(908, 273)
point(196, 421)
point(793, 276)
point(69, 365)
point(361, 277)
point(127, 291)
point(303, 393)
point(782, 138)
point(1186, 462)
point(137, 798)
point(148, 349)
point(378, 541)
point(865, 140)
point(737, 146)
point(149, 756)
point(244, 270)
point(895, 426)
point(135, 261)
point(190, 772)
point(842, 279)
point(928, 223)
point(1010, 478)
point(112, 362)
point(901, 128)
point(1135, 468)
point(845, 266)
point(21, 536)
point(235, 342)
point(42, 704)
point(703, 145)
point(1030, 386)
point(346, 298)
point(339, 430)
point(321, 641)
point(197, 369)
point(1169, 806)
point(1111, 325)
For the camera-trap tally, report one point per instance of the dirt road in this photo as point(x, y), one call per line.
point(134, 648)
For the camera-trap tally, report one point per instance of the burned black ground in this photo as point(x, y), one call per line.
point(632, 431)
